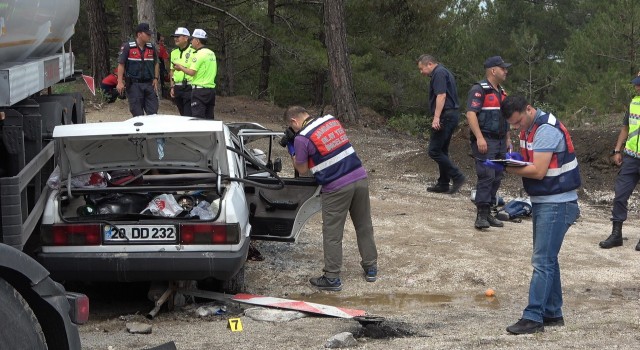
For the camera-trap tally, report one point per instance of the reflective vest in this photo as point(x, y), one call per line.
point(141, 65)
point(334, 156)
point(631, 146)
point(490, 118)
point(563, 174)
point(203, 61)
point(181, 57)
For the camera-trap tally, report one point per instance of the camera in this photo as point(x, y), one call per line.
point(288, 136)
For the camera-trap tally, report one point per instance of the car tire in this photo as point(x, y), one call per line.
point(19, 328)
point(235, 284)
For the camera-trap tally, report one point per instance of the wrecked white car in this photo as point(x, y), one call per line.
point(161, 198)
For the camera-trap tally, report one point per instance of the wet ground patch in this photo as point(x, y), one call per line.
point(389, 330)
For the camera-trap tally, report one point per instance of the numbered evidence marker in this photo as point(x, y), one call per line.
point(235, 324)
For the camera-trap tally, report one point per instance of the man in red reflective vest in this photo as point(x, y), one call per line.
point(321, 146)
point(551, 177)
point(138, 72)
point(489, 136)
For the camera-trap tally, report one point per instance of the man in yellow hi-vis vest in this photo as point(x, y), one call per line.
point(627, 154)
point(180, 82)
point(203, 68)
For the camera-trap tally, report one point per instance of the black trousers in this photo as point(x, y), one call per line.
point(142, 99)
point(182, 99)
point(202, 102)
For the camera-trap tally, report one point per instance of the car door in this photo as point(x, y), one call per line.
point(280, 201)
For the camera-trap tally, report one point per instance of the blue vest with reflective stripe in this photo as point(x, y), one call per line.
point(334, 156)
point(563, 174)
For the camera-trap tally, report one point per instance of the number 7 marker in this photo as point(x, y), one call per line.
point(235, 324)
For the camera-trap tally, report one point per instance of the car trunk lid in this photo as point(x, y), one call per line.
point(146, 142)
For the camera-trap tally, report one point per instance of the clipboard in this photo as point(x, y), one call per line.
point(511, 162)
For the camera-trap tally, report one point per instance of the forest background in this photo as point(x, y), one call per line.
point(571, 57)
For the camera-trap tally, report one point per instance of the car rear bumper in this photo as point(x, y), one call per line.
point(144, 266)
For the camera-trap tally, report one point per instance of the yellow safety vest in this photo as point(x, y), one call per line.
point(204, 63)
point(631, 147)
point(182, 57)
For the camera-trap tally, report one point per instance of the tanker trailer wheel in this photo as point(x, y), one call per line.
point(19, 328)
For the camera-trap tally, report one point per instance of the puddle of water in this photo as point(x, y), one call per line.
point(395, 302)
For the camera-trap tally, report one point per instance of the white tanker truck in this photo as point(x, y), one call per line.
point(36, 313)
point(33, 58)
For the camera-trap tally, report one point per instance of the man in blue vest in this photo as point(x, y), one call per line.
point(550, 177)
point(139, 72)
point(321, 146)
point(489, 136)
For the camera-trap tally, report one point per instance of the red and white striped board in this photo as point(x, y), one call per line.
point(298, 305)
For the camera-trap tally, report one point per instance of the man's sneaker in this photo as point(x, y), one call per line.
point(457, 184)
point(524, 326)
point(371, 273)
point(438, 188)
point(553, 321)
point(324, 283)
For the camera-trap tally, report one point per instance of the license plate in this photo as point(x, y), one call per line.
point(139, 233)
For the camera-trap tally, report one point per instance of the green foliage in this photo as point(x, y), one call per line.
point(413, 124)
point(64, 88)
point(600, 60)
point(576, 57)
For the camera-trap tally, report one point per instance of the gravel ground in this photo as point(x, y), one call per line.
point(434, 269)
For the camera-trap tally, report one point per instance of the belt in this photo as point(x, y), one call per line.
point(133, 80)
point(201, 87)
point(495, 136)
point(488, 135)
point(182, 83)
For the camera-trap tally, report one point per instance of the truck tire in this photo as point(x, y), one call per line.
point(19, 328)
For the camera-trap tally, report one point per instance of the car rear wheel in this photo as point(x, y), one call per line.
point(236, 284)
point(20, 328)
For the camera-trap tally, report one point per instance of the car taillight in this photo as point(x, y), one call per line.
point(209, 233)
point(70, 234)
point(78, 307)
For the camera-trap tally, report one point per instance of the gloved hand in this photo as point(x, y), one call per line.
point(288, 137)
point(493, 165)
point(514, 156)
point(291, 149)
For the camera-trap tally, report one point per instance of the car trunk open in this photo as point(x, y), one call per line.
point(118, 171)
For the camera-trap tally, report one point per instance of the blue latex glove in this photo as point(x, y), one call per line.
point(493, 165)
point(514, 156)
point(291, 149)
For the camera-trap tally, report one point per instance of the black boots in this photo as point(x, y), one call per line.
point(493, 221)
point(481, 217)
point(484, 219)
point(615, 238)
